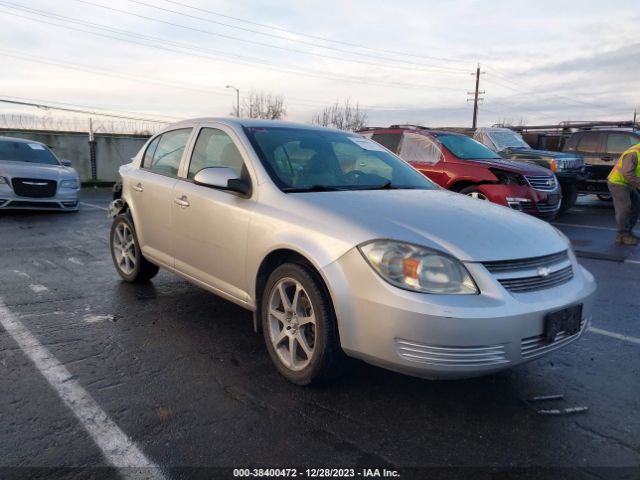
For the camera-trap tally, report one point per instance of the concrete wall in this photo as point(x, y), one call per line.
point(112, 150)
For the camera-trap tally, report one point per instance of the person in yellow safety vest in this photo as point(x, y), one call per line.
point(624, 182)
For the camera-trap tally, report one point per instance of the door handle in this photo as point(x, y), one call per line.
point(138, 187)
point(182, 201)
point(607, 158)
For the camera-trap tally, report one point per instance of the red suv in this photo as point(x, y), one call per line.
point(459, 163)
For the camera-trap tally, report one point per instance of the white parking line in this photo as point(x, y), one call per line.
point(91, 205)
point(618, 336)
point(593, 227)
point(116, 446)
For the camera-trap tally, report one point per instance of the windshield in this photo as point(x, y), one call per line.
point(26, 152)
point(507, 139)
point(466, 148)
point(317, 160)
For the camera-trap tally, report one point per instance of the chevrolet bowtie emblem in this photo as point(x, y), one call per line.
point(543, 272)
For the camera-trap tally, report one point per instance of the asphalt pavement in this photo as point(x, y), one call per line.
point(164, 380)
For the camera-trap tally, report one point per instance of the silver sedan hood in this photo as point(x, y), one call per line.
point(36, 170)
point(469, 229)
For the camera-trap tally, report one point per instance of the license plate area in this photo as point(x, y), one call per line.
point(565, 321)
point(553, 199)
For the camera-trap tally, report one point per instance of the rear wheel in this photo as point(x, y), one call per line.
point(125, 252)
point(474, 192)
point(299, 325)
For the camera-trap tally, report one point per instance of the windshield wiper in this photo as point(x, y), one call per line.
point(312, 188)
point(388, 185)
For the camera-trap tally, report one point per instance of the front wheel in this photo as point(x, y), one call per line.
point(474, 192)
point(125, 252)
point(299, 325)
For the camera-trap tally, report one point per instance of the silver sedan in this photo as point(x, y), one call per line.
point(32, 177)
point(340, 247)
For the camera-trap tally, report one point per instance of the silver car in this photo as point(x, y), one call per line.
point(340, 247)
point(32, 177)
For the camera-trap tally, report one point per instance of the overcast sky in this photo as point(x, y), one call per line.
point(404, 61)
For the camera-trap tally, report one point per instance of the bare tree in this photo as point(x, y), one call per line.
point(262, 105)
point(344, 117)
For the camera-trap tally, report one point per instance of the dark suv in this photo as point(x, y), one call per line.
point(600, 149)
point(459, 163)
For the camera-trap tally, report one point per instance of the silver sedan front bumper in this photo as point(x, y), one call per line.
point(66, 199)
point(449, 336)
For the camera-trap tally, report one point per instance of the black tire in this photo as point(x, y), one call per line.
point(143, 270)
point(569, 196)
point(327, 358)
point(473, 189)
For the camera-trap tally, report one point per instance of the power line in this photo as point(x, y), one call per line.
point(238, 39)
point(531, 89)
point(288, 39)
point(234, 58)
point(172, 85)
point(75, 110)
point(324, 39)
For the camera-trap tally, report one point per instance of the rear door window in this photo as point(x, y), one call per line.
point(418, 148)
point(167, 153)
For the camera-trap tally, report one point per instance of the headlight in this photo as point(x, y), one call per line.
point(3, 181)
point(417, 268)
point(508, 178)
point(69, 184)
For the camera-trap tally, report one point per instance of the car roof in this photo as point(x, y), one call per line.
point(254, 123)
point(20, 140)
point(420, 130)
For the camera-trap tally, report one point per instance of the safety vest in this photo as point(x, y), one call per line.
point(616, 176)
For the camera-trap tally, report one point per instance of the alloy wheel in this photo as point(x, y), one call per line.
point(124, 249)
point(292, 324)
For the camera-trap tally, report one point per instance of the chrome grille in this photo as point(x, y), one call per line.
point(544, 183)
point(532, 347)
point(541, 207)
point(526, 263)
point(538, 282)
point(455, 357)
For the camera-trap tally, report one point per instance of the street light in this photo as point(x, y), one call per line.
point(237, 99)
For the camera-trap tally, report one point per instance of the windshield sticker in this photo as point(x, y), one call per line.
point(36, 146)
point(367, 144)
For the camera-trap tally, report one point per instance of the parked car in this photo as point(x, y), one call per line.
point(459, 163)
point(32, 177)
point(568, 167)
point(600, 148)
point(338, 246)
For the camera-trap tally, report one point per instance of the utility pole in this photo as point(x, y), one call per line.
point(92, 152)
point(476, 96)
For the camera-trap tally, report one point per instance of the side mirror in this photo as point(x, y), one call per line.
point(66, 163)
point(222, 178)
